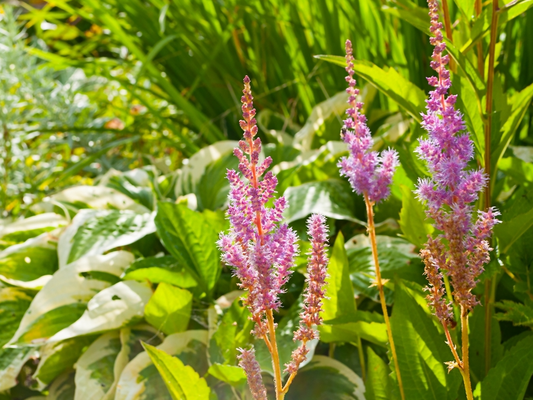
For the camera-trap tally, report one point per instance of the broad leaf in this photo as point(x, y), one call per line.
point(11, 361)
point(421, 350)
point(13, 304)
point(331, 198)
point(182, 381)
point(63, 300)
point(94, 232)
point(510, 377)
point(377, 381)
point(29, 264)
point(111, 308)
point(191, 240)
point(408, 96)
point(324, 378)
point(413, 220)
point(140, 379)
point(169, 309)
point(28, 228)
point(230, 374)
point(160, 269)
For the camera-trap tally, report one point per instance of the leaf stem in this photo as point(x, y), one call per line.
point(480, 59)
point(379, 284)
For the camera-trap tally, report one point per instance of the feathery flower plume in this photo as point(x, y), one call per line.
point(462, 248)
point(252, 369)
point(367, 171)
point(314, 291)
point(370, 175)
point(261, 249)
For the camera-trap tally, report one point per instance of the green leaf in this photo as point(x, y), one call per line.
point(140, 379)
point(331, 198)
point(95, 375)
point(510, 377)
point(377, 381)
point(117, 306)
point(160, 269)
point(11, 362)
point(413, 220)
point(213, 187)
point(366, 325)
point(27, 228)
point(29, 264)
point(408, 96)
point(13, 304)
point(191, 240)
point(169, 309)
point(57, 358)
point(517, 313)
point(182, 381)
point(519, 105)
point(64, 298)
point(326, 378)
point(515, 223)
point(340, 297)
point(230, 374)
point(421, 350)
point(94, 232)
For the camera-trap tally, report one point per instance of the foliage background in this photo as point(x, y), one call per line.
point(113, 111)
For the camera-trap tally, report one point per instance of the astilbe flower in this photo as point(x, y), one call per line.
point(368, 172)
point(462, 249)
point(260, 248)
point(252, 369)
point(314, 291)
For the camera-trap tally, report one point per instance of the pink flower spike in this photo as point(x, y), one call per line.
point(252, 370)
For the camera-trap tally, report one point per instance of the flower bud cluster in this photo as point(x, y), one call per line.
point(367, 170)
point(461, 249)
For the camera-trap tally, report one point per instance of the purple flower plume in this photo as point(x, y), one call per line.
point(252, 370)
point(368, 172)
point(462, 249)
point(258, 246)
point(314, 291)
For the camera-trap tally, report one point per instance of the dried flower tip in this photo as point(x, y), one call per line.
point(252, 370)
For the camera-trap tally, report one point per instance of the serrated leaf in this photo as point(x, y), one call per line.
point(377, 381)
point(230, 374)
point(191, 240)
point(169, 309)
point(140, 379)
point(182, 381)
point(421, 350)
point(510, 377)
point(94, 232)
point(326, 378)
point(517, 313)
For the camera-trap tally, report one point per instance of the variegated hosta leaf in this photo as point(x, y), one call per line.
point(63, 387)
point(99, 197)
point(111, 308)
point(11, 361)
point(27, 228)
point(100, 367)
point(63, 300)
point(140, 379)
point(30, 264)
point(326, 378)
point(94, 232)
point(13, 304)
point(59, 357)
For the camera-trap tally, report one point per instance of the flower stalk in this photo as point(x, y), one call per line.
point(261, 251)
point(370, 175)
point(461, 248)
